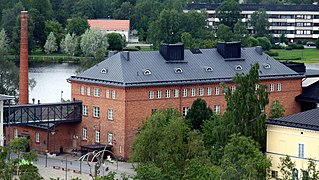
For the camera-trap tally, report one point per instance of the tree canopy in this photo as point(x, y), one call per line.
point(198, 113)
point(229, 13)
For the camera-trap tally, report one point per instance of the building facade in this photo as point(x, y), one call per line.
point(295, 135)
point(295, 21)
point(119, 93)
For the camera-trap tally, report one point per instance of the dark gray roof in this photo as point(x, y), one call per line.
point(255, 7)
point(305, 120)
point(121, 71)
point(309, 93)
point(5, 97)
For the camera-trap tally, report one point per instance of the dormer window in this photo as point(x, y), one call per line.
point(103, 71)
point(238, 68)
point(147, 72)
point(267, 66)
point(209, 69)
point(178, 70)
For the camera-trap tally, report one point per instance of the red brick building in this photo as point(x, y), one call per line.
point(120, 92)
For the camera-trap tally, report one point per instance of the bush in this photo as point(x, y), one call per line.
point(264, 42)
point(288, 48)
point(130, 49)
point(299, 46)
point(272, 53)
point(276, 46)
point(317, 43)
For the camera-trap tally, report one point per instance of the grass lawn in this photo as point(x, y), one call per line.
point(308, 55)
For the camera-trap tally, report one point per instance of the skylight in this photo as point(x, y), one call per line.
point(238, 68)
point(178, 70)
point(103, 71)
point(147, 72)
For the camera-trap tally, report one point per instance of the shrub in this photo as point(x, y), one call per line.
point(288, 48)
point(298, 46)
point(275, 46)
point(264, 42)
point(272, 53)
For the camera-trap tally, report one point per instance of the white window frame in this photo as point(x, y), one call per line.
point(82, 89)
point(88, 91)
point(184, 93)
point(301, 150)
point(185, 111)
point(279, 87)
point(217, 91)
point(217, 108)
point(193, 92)
point(176, 93)
point(168, 93)
point(201, 91)
point(110, 114)
point(113, 94)
point(209, 91)
point(159, 94)
point(97, 136)
point(151, 94)
point(84, 133)
point(85, 110)
point(15, 133)
point(272, 87)
point(37, 137)
point(107, 93)
point(233, 89)
point(110, 138)
point(96, 92)
point(256, 87)
point(96, 111)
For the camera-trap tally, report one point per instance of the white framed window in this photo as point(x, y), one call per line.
point(159, 94)
point(151, 94)
point(256, 87)
point(301, 150)
point(168, 93)
point(217, 91)
point(233, 89)
point(82, 90)
point(96, 111)
point(176, 93)
point(85, 110)
point(184, 93)
point(110, 114)
point(279, 87)
point(193, 92)
point(37, 137)
point(97, 92)
point(217, 109)
point(110, 138)
point(107, 93)
point(84, 133)
point(201, 91)
point(97, 136)
point(209, 91)
point(15, 133)
point(113, 94)
point(88, 91)
point(272, 87)
point(185, 111)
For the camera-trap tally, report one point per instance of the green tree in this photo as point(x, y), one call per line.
point(311, 173)
point(229, 13)
point(4, 44)
point(251, 41)
point(287, 169)
point(260, 23)
point(264, 43)
point(50, 44)
point(124, 12)
point(92, 41)
point(187, 40)
point(69, 44)
point(317, 43)
point(283, 38)
point(243, 160)
point(224, 33)
point(77, 25)
point(19, 145)
point(198, 113)
point(83, 8)
point(240, 33)
point(9, 78)
point(276, 109)
point(56, 28)
point(116, 41)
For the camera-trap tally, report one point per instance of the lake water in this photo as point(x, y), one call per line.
point(51, 81)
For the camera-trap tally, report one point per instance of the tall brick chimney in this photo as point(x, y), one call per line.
point(24, 77)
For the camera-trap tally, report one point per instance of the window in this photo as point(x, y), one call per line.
point(84, 133)
point(279, 87)
point(96, 111)
point(216, 90)
point(159, 94)
point(15, 133)
point(178, 70)
point(274, 174)
point(97, 136)
point(184, 93)
point(233, 89)
point(85, 110)
point(256, 87)
point(82, 90)
point(176, 92)
point(147, 72)
point(107, 93)
point(209, 91)
point(201, 91)
point(272, 87)
point(193, 92)
point(37, 137)
point(167, 93)
point(110, 138)
point(97, 92)
point(185, 111)
point(151, 94)
point(217, 109)
point(301, 150)
point(110, 114)
point(113, 94)
point(88, 91)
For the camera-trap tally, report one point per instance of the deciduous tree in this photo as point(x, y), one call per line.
point(116, 41)
point(228, 13)
point(92, 41)
point(260, 23)
point(50, 44)
point(69, 44)
point(77, 25)
point(276, 109)
point(198, 113)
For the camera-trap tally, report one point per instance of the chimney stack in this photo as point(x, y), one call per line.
point(24, 78)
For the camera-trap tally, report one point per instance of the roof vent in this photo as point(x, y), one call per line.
point(196, 51)
point(238, 68)
point(178, 70)
point(229, 50)
point(208, 69)
point(147, 72)
point(126, 55)
point(259, 50)
point(266, 66)
point(172, 52)
point(104, 71)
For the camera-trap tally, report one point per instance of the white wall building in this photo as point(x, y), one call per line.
point(2, 98)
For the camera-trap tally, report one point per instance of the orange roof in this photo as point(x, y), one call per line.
point(109, 24)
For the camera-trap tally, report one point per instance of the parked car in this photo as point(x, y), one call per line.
point(310, 44)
